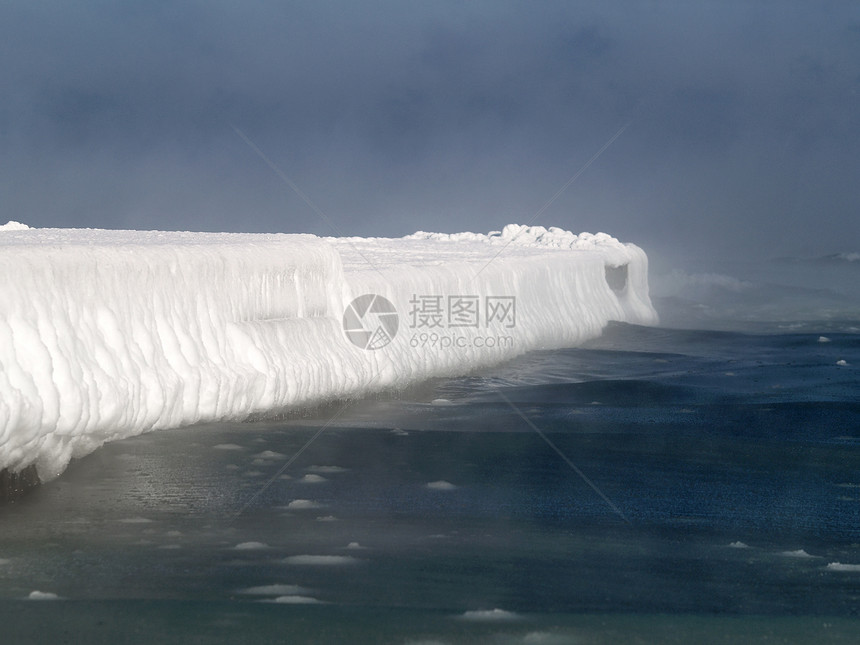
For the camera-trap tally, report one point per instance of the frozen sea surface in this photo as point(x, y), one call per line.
point(446, 513)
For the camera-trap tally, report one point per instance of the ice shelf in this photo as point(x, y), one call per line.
point(108, 334)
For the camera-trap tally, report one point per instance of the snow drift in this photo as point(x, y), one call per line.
point(107, 334)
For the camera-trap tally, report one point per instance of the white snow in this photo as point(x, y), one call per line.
point(12, 225)
point(108, 334)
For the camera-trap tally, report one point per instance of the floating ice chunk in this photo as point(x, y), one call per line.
point(312, 478)
point(838, 566)
point(251, 546)
point(355, 546)
point(739, 545)
point(441, 485)
point(327, 518)
point(327, 469)
point(293, 600)
point(269, 454)
point(842, 362)
point(303, 504)
point(491, 615)
point(799, 553)
point(321, 560)
point(441, 402)
point(823, 339)
point(42, 595)
point(274, 590)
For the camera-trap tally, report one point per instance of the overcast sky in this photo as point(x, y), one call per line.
point(743, 136)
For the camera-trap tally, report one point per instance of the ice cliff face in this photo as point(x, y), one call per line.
point(107, 334)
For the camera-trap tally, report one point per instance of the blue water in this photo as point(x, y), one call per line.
point(655, 486)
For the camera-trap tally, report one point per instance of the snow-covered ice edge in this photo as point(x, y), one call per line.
point(108, 334)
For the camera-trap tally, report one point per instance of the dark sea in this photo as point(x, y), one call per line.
point(657, 485)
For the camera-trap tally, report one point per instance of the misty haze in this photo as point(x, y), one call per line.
point(449, 322)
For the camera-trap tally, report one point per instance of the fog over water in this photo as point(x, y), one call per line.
point(739, 123)
point(695, 483)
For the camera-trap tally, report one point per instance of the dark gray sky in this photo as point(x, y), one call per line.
point(744, 133)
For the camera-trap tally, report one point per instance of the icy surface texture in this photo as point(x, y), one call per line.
point(107, 334)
